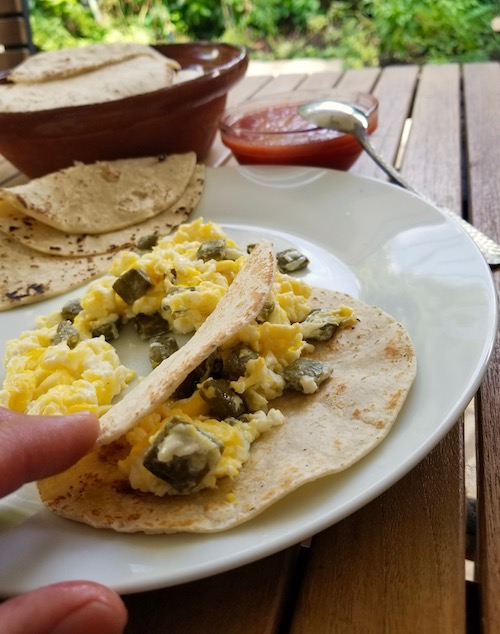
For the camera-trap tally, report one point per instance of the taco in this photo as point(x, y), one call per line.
point(304, 390)
point(322, 434)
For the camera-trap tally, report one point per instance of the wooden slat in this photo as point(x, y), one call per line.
point(246, 89)
point(395, 91)
point(11, 6)
point(13, 57)
point(488, 473)
point(359, 80)
point(281, 84)
point(247, 600)
point(271, 85)
point(482, 99)
point(482, 96)
point(415, 584)
point(13, 31)
point(387, 569)
point(434, 168)
point(321, 81)
point(243, 91)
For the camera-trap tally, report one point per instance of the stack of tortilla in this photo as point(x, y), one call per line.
point(61, 230)
point(85, 75)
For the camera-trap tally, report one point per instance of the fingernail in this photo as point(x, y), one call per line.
point(84, 412)
point(94, 616)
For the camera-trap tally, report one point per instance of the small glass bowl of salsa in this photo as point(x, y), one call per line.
point(269, 130)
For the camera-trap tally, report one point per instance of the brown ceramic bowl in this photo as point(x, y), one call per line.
point(176, 119)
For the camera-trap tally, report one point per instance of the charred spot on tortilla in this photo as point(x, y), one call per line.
point(19, 294)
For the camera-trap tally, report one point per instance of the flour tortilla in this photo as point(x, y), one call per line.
point(104, 196)
point(68, 62)
point(27, 276)
point(45, 239)
point(135, 76)
point(131, 77)
point(324, 433)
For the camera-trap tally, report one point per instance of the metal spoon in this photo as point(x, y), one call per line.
point(343, 117)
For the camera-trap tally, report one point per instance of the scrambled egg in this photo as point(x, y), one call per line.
point(51, 379)
point(45, 375)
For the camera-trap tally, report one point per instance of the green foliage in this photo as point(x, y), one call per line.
point(268, 18)
point(302, 28)
point(60, 23)
point(434, 30)
point(360, 32)
point(345, 32)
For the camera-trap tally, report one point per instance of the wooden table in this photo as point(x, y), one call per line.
point(398, 564)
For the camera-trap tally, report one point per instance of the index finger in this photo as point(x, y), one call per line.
point(34, 447)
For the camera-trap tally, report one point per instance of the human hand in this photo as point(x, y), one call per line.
point(34, 447)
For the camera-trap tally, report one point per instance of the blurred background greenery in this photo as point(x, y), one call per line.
point(359, 32)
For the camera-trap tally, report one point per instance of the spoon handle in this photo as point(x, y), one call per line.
point(488, 247)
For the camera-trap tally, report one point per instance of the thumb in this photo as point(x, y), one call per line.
point(34, 447)
point(76, 607)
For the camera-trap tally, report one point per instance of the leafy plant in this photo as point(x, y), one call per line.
point(360, 32)
point(345, 33)
point(433, 30)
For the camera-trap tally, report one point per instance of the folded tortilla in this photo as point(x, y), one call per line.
point(68, 62)
point(41, 237)
point(133, 76)
point(324, 433)
point(27, 276)
point(104, 196)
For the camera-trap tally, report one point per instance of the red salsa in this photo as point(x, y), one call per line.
point(277, 134)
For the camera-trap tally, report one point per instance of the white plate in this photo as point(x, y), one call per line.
point(364, 237)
